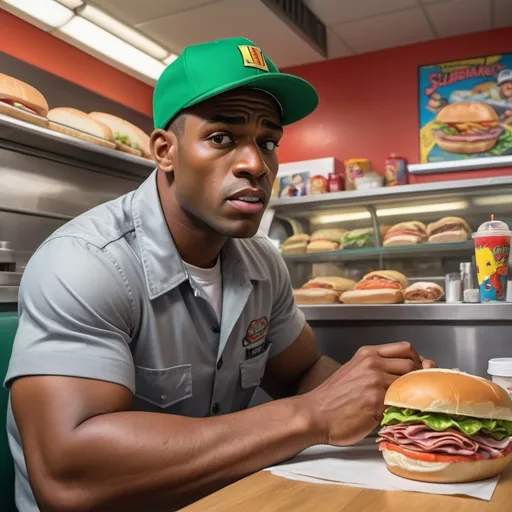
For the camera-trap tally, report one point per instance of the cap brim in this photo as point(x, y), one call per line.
point(297, 97)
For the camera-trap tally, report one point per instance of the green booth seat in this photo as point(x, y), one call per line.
point(8, 326)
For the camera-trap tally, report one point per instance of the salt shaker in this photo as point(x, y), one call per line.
point(453, 287)
point(470, 290)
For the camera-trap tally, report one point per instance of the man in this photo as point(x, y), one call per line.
point(147, 323)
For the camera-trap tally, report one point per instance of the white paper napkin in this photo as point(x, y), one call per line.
point(362, 465)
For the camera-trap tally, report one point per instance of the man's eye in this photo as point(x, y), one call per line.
point(221, 139)
point(269, 145)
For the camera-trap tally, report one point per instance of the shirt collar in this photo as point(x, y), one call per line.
point(162, 264)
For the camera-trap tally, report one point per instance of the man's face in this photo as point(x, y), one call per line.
point(506, 90)
point(226, 162)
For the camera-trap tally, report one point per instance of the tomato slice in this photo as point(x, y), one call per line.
point(436, 457)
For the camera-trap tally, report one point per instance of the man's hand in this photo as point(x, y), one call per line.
point(350, 403)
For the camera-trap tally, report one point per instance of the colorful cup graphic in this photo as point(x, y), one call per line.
point(492, 251)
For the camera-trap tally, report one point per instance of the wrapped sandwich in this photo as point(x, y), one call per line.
point(448, 230)
point(22, 101)
point(80, 125)
point(381, 287)
point(128, 137)
point(358, 239)
point(295, 244)
point(406, 233)
point(422, 293)
point(325, 240)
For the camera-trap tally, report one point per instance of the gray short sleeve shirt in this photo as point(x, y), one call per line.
point(107, 297)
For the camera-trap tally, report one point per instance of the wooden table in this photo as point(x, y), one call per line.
point(264, 492)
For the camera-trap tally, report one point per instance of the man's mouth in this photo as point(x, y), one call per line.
point(248, 201)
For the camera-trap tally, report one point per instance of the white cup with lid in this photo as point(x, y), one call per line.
point(501, 371)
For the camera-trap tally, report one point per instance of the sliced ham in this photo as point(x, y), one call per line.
point(453, 442)
point(493, 133)
point(426, 294)
point(377, 283)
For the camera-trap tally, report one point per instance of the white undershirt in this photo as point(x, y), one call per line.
point(210, 282)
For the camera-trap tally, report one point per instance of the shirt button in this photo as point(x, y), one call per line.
point(215, 408)
point(215, 329)
point(163, 397)
point(219, 364)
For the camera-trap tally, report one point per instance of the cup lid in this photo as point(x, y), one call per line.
point(493, 227)
point(500, 367)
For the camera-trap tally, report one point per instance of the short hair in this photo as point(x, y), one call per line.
point(177, 125)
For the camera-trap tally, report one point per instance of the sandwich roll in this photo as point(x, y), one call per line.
point(337, 284)
point(129, 138)
point(22, 101)
point(294, 248)
point(315, 296)
point(322, 246)
point(76, 123)
point(423, 292)
point(405, 233)
point(448, 230)
point(301, 237)
point(379, 296)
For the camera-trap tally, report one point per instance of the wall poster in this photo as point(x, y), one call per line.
point(465, 109)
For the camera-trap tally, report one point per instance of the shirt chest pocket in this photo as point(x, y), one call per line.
point(164, 387)
point(252, 370)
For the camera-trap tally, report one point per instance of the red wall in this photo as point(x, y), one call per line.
point(30, 44)
point(368, 103)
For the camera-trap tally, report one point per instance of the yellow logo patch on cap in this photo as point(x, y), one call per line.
point(253, 57)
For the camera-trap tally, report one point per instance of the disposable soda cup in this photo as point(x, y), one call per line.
point(492, 251)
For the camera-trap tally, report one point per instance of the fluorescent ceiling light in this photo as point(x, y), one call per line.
point(72, 4)
point(389, 212)
point(48, 12)
point(169, 60)
point(123, 31)
point(493, 200)
point(424, 208)
point(112, 47)
point(340, 217)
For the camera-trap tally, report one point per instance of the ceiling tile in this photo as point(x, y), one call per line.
point(251, 19)
point(460, 16)
point(332, 12)
point(502, 14)
point(140, 11)
point(335, 46)
point(387, 31)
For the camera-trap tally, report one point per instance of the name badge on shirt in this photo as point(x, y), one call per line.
point(256, 351)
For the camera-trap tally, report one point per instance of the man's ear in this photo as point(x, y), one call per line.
point(163, 146)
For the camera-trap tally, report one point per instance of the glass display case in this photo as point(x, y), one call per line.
point(379, 209)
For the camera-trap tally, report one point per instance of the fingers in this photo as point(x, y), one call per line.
point(397, 367)
point(427, 363)
point(402, 349)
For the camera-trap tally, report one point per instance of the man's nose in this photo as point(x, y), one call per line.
point(250, 162)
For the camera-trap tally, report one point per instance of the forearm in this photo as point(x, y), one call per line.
point(142, 461)
point(318, 373)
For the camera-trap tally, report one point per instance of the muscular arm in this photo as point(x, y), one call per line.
point(86, 451)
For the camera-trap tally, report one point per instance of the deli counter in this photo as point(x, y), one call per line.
point(48, 178)
point(455, 334)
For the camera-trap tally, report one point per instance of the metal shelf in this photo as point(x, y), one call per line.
point(404, 251)
point(30, 139)
point(397, 313)
point(468, 164)
point(388, 194)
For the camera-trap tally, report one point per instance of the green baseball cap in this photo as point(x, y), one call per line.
point(208, 69)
